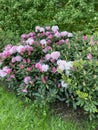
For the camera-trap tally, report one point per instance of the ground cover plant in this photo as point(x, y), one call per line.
point(17, 114)
point(49, 64)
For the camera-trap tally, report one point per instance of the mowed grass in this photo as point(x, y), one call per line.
point(16, 114)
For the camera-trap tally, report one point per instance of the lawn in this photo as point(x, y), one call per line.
point(16, 114)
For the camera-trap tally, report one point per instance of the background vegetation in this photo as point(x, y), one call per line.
point(17, 17)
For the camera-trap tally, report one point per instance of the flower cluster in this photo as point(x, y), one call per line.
point(34, 63)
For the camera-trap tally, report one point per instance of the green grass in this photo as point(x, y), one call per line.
point(16, 114)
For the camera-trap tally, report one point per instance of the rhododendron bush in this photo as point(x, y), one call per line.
point(46, 65)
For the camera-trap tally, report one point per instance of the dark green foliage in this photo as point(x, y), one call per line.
point(71, 15)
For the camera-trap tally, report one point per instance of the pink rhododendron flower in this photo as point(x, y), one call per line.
point(61, 41)
point(40, 29)
point(54, 70)
point(2, 73)
point(31, 34)
point(7, 69)
point(55, 55)
point(48, 42)
point(47, 56)
point(24, 36)
point(13, 60)
point(28, 60)
point(85, 38)
point(45, 68)
point(6, 54)
point(67, 41)
point(63, 34)
point(38, 66)
point(52, 60)
point(21, 49)
point(57, 34)
point(29, 69)
point(8, 47)
point(46, 77)
point(50, 36)
point(30, 41)
point(46, 49)
point(12, 76)
point(55, 28)
point(29, 48)
point(21, 66)
point(27, 79)
point(47, 27)
point(13, 50)
point(89, 56)
point(18, 58)
point(24, 61)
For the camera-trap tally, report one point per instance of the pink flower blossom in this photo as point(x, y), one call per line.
point(24, 61)
point(46, 49)
point(38, 66)
point(54, 70)
point(21, 49)
point(46, 77)
point(29, 61)
point(85, 38)
point(40, 29)
point(2, 73)
point(27, 79)
point(63, 34)
point(18, 58)
point(7, 69)
point(12, 76)
point(47, 27)
point(24, 36)
point(48, 56)
point(21, 66)
point(89, 56)
point(48, 42)
point(55, 28)
point(8, 47)
point(24, 90)
point(13, 50)
point(29, 69)
point(30, 41)
point(31, 34)
point(6, 54)
point(50, 36)
point(29, 48)
point(57, 34)
point(13, 60)
point(55, 55)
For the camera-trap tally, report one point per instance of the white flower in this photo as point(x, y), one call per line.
point(70, 35)
point(45, 67)
point(63, 84)
point(43, 42)
point(68, 65)
point(55, 28)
